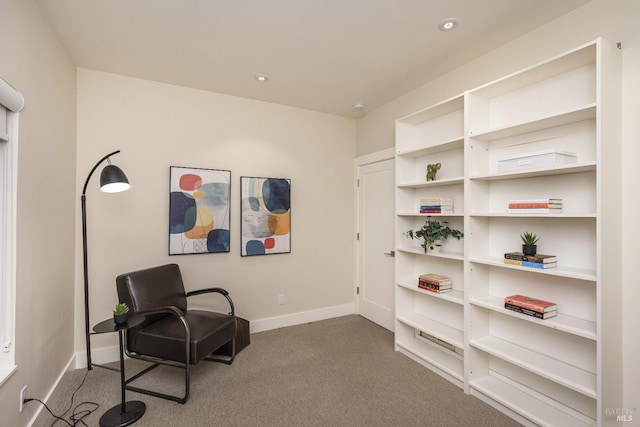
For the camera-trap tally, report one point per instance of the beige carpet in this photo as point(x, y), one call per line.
point(337, 372)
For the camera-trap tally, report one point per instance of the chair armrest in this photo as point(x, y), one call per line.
point(215, 290)
point(168, 309)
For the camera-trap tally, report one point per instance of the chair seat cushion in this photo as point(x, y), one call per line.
point(162, 338)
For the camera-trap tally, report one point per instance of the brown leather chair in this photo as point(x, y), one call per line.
point(171, 333)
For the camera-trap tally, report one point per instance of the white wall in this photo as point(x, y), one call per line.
point(157, 126)
point(615, 20)
point(38, 66)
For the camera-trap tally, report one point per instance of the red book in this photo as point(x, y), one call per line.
point(535, 304)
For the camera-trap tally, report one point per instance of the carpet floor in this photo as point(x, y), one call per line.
point(336, 372)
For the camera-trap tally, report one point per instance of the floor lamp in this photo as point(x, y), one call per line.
point(112, 180)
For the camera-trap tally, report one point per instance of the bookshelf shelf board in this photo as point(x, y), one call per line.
point(432, 327)
point(559, 372)
point(532, 173)
point(452, 144)
point(581, 113)
point(436, 183)
point(533, 215)
point(572, 325)
point(525, 404)
point(561, 271)
point(415, 354)
point(455, 296)
point(425, 215)
point(441, 254)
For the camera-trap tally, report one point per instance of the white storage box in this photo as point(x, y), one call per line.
point(539, 159)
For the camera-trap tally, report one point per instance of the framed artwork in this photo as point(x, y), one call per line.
point(199, 210)
point(265, 216)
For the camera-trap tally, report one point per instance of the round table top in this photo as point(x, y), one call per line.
point(109, 325)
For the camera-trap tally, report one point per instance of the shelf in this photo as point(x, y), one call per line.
point(559, 372)
point(525, 404)
point(452, 144)
point(531, 173)
point(441, 254)
point(455, 296)
point(562, 322)
point(448, 364)
point(575, 115)
point(532, 215)
point(436, 183)
point(439, 330)
point(561, 271)
point(426, 215)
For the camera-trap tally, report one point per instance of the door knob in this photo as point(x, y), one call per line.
point(391, 254)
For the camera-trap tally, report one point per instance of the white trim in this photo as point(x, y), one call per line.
point(8, 210)
point(378, 156)
point(112, 354)
point(55, 385)
point(367, 159)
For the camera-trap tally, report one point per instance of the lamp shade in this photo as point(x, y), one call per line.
point(113, 180)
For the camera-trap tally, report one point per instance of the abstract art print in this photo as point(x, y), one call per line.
point(199, 210)
point(265, 216)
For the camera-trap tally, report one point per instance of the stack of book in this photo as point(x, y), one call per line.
point(436, 205)
point(532, 261)
point(531, 306)
point(535, 206)
point(436, 283)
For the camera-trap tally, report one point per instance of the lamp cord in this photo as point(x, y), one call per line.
point(78, 415)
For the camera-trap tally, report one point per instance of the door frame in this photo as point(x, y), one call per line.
point(378, 156)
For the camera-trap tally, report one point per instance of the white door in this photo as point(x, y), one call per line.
point(375, 245)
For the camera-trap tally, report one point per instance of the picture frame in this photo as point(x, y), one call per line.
point(199, 210)
point(265, 216)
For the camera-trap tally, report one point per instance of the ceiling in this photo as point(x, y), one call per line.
point(322, 55)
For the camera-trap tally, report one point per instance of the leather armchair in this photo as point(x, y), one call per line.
point(172, 334)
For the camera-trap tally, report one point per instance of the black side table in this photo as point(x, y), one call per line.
point(125, 413)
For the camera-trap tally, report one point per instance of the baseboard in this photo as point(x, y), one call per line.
point(111, 354)
point(293, 319)
point(55, 384)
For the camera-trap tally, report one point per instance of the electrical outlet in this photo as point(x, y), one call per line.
point(23, 395)
point(281, 299)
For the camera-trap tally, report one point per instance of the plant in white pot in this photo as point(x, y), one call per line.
point(433, 232)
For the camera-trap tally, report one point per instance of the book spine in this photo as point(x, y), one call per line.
point(523, 310)
point(535, 210)
point(537, 264)
point(518, 257)
point(434, 290)
point(435, 285)
point(529, 306)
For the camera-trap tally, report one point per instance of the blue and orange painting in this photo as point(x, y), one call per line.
point(266, 216)
point(199, 211)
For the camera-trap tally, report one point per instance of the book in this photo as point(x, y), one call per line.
point(535, 304)
point(530, 264)
point(532, 313)
point(435, 277)
point(434, 290)
point(535, 210)
point(532, 258)
point(435, 285)
point(553, 201)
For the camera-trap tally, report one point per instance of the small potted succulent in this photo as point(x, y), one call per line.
point(529, 241)
point(432, 232)
point(120, 313)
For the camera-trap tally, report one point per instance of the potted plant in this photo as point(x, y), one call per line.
point(432, 232)
point(529, 241)
point(120, 313)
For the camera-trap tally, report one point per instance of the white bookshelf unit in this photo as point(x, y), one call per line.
point(559, 371)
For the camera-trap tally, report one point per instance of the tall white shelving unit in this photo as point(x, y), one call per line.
point(563, 371)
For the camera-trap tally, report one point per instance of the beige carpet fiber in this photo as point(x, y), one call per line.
point(336, 372)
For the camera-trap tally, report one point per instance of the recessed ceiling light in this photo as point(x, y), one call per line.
point(448, 24)
point(358, 106)
point(262, 77)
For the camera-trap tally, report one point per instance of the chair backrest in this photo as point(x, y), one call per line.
point(152, 287)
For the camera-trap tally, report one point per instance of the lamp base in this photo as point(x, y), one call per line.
point(117, 417)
